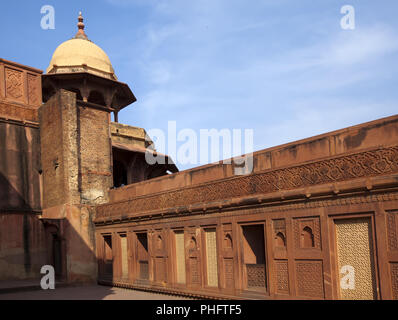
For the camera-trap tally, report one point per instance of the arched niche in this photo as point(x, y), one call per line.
point(228, 241)
point(307, 238)
point(192, 243)
point(159, 243)
point(280, 240)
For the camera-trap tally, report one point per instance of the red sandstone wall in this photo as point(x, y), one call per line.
point(19, 167)
point(22, 236)
point(22, 246)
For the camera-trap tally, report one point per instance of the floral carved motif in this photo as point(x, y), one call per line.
point(14, 87)
point(33, 90)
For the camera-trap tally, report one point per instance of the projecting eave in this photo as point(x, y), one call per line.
point(165, 159)
point(119, 92)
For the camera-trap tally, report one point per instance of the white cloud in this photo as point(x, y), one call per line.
point(360, 45)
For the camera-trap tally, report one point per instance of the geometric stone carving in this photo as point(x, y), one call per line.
point(394, 279)
point(211, 257)
point(282, 276)
point(309, 278)
point(392, 231)
point(256, 275)
point(194, 269)
point(180, 256)
point(34, 90)
point(229, 273)
point(355, 249)
point(14, 84)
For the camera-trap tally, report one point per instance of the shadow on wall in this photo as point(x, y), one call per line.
point(27, 241)
point(22, 235)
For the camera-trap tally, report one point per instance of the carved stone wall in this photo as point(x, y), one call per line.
point(363, 164)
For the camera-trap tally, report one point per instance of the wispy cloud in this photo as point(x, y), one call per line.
point(217, 64)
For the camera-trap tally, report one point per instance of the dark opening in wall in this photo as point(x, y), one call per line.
point(108, 256)
point(143, 256)
point(254, 256)
point(96, 97)
point(77, 91)
point(119, 174)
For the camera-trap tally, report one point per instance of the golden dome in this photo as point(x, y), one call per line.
point(81, 55)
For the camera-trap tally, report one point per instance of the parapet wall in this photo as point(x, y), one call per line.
point(375, 134)
point(20, 91)
point(128, 135)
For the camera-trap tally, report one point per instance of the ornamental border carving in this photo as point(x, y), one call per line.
point(342, 168)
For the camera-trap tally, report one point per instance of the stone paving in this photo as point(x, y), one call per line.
point(93, 292)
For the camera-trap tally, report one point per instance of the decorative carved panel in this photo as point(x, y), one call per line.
point(355, 249)
point(309, 278)
point(256, 275)
point(14, 84)
point(229, 273)
point(392, 231)
point(34, 89)
point(211, 257)
point(394, 279)
point(195, 270)
point(180, 256)
point(282, 276)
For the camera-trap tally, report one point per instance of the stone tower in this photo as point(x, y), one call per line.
point(80, 90)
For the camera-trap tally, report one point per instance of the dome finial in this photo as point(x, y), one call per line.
point(80, 25)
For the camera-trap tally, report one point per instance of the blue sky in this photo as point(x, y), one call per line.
point(284, 68)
